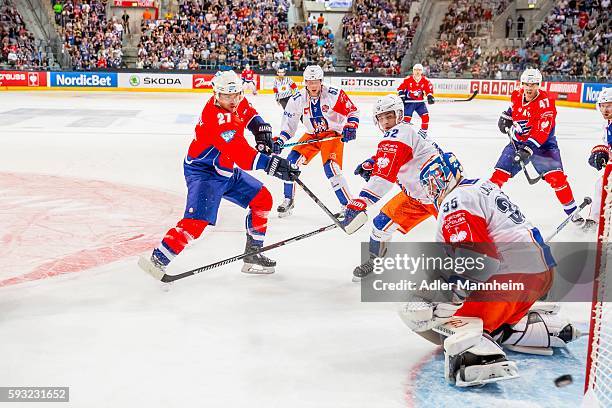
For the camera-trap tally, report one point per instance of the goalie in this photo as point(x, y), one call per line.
point(478, 220)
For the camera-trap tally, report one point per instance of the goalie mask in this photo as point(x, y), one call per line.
point(439, 176)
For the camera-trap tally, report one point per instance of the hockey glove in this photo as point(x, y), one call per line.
point(523, 154)
point(403, 95)
point(282, 168)
point(263, 138)
point(278, 144)
point(430, 99)
point(365, 169)
point(349, 132)
point(599, 156)
point(504, 122)
point(355, 216)
point(423, 316)
point(517, 130)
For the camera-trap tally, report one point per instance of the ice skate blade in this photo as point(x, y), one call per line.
point(356, 279)
point(253, 269)
point(146, 265)
point(285, 214)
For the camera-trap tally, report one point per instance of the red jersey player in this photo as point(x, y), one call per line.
point(417, 87)
point(214, 170)
point(248, 79)
point(531, 123)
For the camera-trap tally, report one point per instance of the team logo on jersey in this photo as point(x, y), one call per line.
point(228, 135)
point(459, 236)
point(306, 111)
point(383, 162)
point(544, 124)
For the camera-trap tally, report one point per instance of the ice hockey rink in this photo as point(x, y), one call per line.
point(90, 181)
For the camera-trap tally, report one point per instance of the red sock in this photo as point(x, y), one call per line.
point(500, 177)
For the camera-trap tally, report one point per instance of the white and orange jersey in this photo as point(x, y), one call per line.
point(401, 155)
point(330, 112)
point(478, 211)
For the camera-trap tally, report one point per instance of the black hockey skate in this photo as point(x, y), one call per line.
point(257, 264)
point(286, 208)
point(364, 269)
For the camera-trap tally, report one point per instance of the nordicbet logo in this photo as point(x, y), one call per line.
point(85, 79)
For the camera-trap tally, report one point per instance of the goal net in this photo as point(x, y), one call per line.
point(599, 358)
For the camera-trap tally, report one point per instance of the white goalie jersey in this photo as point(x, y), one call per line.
point(401, 155)
point(329, 113)
point(478, 211)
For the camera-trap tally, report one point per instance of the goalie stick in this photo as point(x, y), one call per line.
point(445, 100)
point(171, 278)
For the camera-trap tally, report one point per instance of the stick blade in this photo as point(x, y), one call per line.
point(146, 265)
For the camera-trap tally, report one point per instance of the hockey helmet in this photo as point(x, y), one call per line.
point(226, 82)
point(313, 72)
point(440, 175)
point(389, 103)
point(531, 76)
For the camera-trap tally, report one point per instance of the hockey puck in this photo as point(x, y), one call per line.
point(564, 380)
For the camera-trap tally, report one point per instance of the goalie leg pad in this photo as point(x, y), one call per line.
point(484, 362)
point(537, 333)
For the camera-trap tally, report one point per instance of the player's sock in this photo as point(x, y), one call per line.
point(289, 187)
point(500, 177)
point(257, 219)
point(382, 231)
point(407, 119)
point(558, 181)
point(425, 122)
point(338, 182)
point(177, 238)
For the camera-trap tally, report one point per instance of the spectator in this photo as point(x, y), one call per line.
point(320, 22)
point(125, 18)
point(509, 23)
point(520, 24)
point(57, 9)
point(17, 45)
point(146, 15)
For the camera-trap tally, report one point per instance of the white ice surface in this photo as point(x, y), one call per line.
point(298, 338)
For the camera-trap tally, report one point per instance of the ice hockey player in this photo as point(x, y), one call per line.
point(283, 88)
point(214, 170)
point(400, 156)
point(248, 79)
point(478, 221)
point(600, 154)
point(417, 87)
point(531, 123)
point(326, 111)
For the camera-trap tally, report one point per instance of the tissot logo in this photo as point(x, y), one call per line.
point(367, 82)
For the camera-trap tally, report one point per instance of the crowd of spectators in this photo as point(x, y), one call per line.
point(90, 39)
point(18, 48)
point(573, 41)
point(378, 34)
point(458, 47)
point(215, 33)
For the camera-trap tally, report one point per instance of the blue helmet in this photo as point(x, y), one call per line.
point(438, 174)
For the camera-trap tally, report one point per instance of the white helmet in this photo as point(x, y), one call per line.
point(227, 82)
point(605, 96)
point(418, 66)
point(531, 76)
point(313, 72)
point(389, 103)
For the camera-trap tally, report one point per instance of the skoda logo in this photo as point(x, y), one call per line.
point(134, 81)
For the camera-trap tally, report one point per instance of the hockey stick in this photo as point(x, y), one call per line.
point(585, 202)
point(325, 139)
point(171, 278)
point(319, 203)
point(530, 180)
point(444, 100)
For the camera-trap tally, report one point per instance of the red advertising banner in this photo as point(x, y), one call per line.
point(202, 81)
point(493, 87)
point(564, 91)
point(23, 78)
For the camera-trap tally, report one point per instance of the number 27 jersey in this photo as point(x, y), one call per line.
point(478, 211)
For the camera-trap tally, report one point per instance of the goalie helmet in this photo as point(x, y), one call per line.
point(313, 72)
point(439, 176)
point(389, 103)
point(531, 76)
point(605, 96)
point(226, 82)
